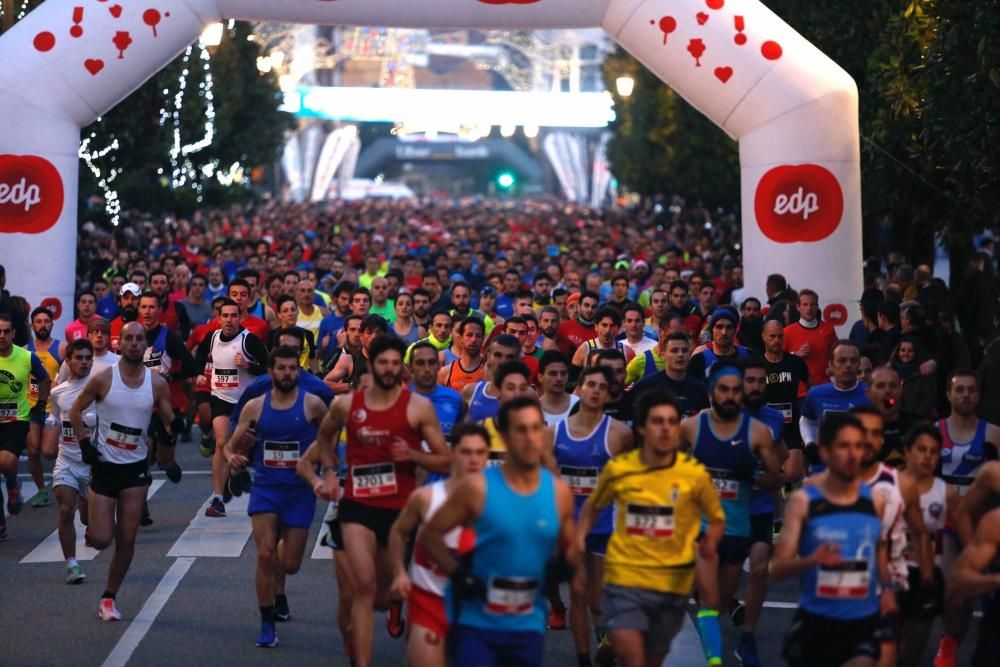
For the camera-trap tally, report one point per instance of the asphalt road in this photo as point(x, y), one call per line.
point(189, 597)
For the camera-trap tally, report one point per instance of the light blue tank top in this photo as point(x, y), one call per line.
point(482, 406)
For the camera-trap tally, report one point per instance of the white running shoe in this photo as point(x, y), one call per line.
point(108, 611)
point(75, 575)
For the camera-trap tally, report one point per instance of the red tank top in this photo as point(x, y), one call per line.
point(373, 478)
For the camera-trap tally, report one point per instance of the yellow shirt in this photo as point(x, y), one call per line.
point(498, 450)
point(658, 514)
point(636, 369)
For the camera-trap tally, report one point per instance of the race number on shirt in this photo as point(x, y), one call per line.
point(511, 595)
point(649, 520)
point(69, 435)
point(785, 409)
point(849, 580)
point(8, 412)
point(375, 480)
point(225, 378)
point(278, 454)
point(581, 481)
point(33, 390)
point(727, 487)
point(124, 437)
point(496, 457)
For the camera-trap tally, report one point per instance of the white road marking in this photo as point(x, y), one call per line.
point(28, 490)
point(321, 551)
point(686, 649)
point(49, 550)
point(129, 641)
point(216, 537)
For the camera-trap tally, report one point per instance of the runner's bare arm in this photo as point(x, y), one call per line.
point(467, 395)
point(786, 563)
point(689, 432)
point(979, 497)
point(548, 450)
point(763, 448)
point(402, 530)
point(566, 543)
point(336, 378)
point(326, 441)
point(621, 439)
point(968, 580)
point(161, 400)
point(463, 506)
point(95, 390)
point(251, 412)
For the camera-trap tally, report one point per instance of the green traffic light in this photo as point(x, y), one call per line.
point(505, 180)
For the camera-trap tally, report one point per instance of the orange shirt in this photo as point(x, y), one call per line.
point(820, 339)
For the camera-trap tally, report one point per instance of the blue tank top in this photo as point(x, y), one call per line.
point(448, 406)
point(282, 437)
point(412, 337)
point(482, 406)
point(515, 536)
point(762, 501)
point(963, 471)
point(53, 350)
point(257, 310)
point(580, 464)
point(450, 356)
point(650, 368)
point(732, 464)
point(711, 357)
point(847, 591)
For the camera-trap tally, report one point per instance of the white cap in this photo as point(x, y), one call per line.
point(130, 287)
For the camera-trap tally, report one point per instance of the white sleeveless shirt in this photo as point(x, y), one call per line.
point(122, 419)
point(423, 572)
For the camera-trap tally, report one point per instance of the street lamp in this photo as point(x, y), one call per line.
point(624, 85)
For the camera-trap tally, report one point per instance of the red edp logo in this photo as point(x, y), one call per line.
point(801, 202)
point(31, 194)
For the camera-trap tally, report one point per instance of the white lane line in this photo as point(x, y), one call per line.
point(129, 641)
point(49, 550)
point(216, 537)
point(686, 649)
point(28, 490)
point(320, 551)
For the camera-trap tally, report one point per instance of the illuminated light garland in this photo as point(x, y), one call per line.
point(184, 171)
point(112, 205)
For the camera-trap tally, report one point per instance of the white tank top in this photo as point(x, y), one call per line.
point(423, 572)
point(934, 505)
point(229, 381)
point(63, 396)
point(886, 482)
point(553, 419)
point(122, 419)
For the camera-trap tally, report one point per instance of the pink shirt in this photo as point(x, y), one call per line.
point(75, 330)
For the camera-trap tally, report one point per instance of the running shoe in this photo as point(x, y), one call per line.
point(41, 499)
point(268, 637)
point(605, 655)
point(146, 520)
point(281, 611)
point(75, 575)
point(207, 445)
point(173, 472)
point(746, 652)
point(14, 500)
point(216, 508)
point(394, 622)
point(946, 652)
point(108, 611)
point(737, 612)
point(557, 619)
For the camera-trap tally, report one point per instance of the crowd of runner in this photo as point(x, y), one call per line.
point(494, 399)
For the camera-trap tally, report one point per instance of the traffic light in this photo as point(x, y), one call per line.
point(505, 180)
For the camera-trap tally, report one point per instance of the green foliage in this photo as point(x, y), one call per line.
point(928, 72)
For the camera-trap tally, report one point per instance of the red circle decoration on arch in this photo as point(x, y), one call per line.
point(802, 202)
point(53, 305)
point(835, 314)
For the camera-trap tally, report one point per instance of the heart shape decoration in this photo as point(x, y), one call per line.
point(723, 74)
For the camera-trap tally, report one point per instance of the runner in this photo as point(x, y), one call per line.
point(86, 308)
point(885, 391)
point(424, 367)
point(811, 339)
point(967, 441)
point(236, 355)
point(830, 540)
point(522, 515)
point(976, 575)
point(354, 369)
point(582, 446)
point(129, 301)
point(785, 374)
point(17, 367)
point(690, 391)
point(731, 444)
point(573, 333)
point(468, 369)
point(126, 395)
point(844, 391)
point(404, 326)
point(352, 347)
point(512, 380)
point(385, 425)
point(635, 338)
point(922, 602)
point(902, 517)
point(281, 505)
point(619, 403)
point(660, 495)
point(607, 322)
point(98, 333)
point(42, 441)
point(553, 374)
point(480, 402)
point(722, 347)
point(423, 587)
point(71, 476)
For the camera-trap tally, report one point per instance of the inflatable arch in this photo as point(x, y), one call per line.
point(793, 110)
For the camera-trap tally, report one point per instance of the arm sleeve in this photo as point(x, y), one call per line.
point(37, 369)
point(258, 354)
point(808, 429)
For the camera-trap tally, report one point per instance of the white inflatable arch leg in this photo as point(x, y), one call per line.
point(793, 110)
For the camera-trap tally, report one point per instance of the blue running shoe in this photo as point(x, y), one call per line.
point(746, 652)
point(268, 637)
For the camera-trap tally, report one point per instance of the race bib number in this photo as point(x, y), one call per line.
point(33, 390)
point(850, 580)
point(372, 481)
point(69, 435)
point(785, 409)
point(581, 481)
point(511, 595)
point(225, 378)
point(8, 412)
point(124, 437)
point(495, 458)
point(279, 454)
point(725, 485)
point(649, 521)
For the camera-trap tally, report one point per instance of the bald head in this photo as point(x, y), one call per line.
point(132, 342)
point(774, 336)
